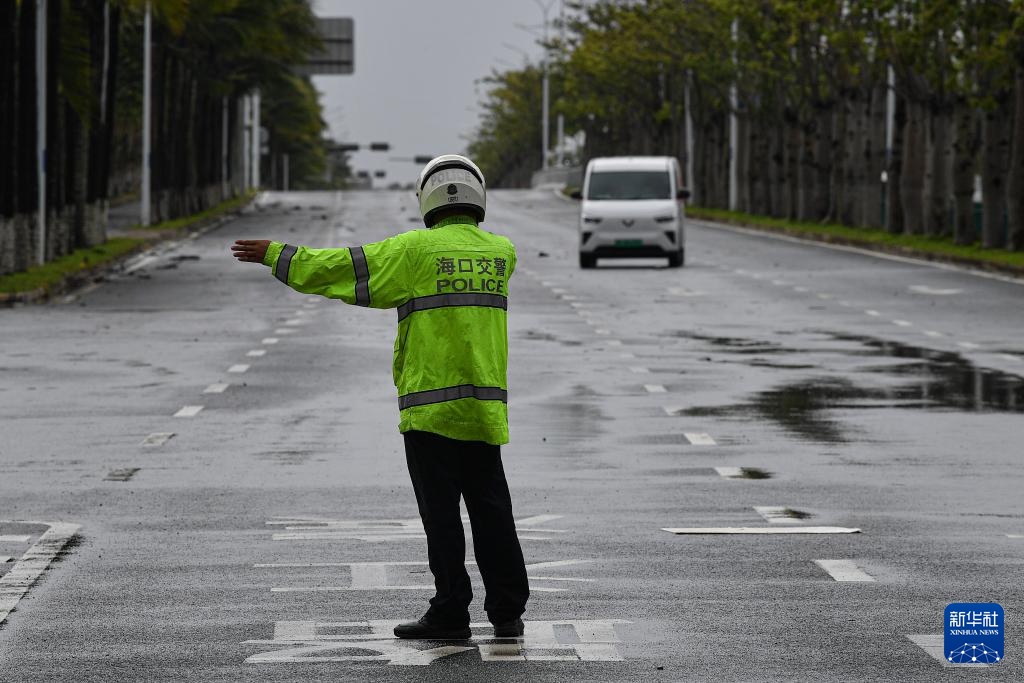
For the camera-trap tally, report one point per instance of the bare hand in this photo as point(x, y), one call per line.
point(252, 251)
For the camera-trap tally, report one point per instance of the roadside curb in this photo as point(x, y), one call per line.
point(906, 252)
point(152, 239)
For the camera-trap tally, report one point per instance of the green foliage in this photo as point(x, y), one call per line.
point(507, 141)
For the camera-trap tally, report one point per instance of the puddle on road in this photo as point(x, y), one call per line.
point(922, 379)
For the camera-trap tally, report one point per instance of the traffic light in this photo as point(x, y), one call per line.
point(362, 174)
point(422, 159)
point(379, 174)
point(379, 146)
point(348, 147)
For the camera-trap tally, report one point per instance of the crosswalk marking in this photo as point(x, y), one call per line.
point(699, 439)
point(241, 367)
point(26, 571)
point(218, 388)
point(844, 570)
point(188, 411)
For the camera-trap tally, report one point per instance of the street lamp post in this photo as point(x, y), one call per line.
point(41, 128)
point(545, 91)
point(147, 75)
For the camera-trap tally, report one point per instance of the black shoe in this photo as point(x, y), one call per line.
point(509, 629)
point(424, 630)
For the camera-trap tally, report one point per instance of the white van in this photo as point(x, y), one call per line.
point(632, 207)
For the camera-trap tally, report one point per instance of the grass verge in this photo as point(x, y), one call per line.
point(931, 248)
point(211, 214)
point(58, 274)
point(54, 273)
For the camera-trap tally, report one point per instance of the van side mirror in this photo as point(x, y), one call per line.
point(576, 194)
point(683, 193)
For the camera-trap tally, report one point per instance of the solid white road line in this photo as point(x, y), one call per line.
point(188, 411)
point(655, 388)
point(935, 646)
point(775, 514)
point(763, 530)
point(256, 353)
point(157, 439)
point(699, 439)
point(218, 388)
point(269, 340)
point(238, 368)
point(15, 539)
point(903, 323)
point(844, 570)
point(537, 520)
point(730, 472)
point(26, 571)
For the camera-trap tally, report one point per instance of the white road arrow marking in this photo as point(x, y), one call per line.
point(934, 646)
point(925, 289)
point(26, 571)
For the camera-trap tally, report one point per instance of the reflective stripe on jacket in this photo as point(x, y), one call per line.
point(449, 285)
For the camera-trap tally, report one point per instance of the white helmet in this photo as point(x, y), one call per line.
point(451, 181)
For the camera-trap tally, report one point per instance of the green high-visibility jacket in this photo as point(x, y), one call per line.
point(450, 286)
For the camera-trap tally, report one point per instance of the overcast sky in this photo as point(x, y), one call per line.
point(416, 67)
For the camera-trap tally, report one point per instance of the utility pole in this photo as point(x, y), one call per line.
point(246, 140)
point(147, 93)
point(41, 14)
point(545, 94)
point(224, 148)
point(285, 169)
point(690, 182)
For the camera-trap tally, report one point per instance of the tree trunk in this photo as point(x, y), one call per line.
point(894, 171)
point(912, 176)
point(873, 159)
point(995, 154)
point(964, 152)
point(1015, 177)
point(937, 175)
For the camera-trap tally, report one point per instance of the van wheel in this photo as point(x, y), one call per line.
point(587, 261)
point(677, 259)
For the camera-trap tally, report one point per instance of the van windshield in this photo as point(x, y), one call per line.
point(629, 185)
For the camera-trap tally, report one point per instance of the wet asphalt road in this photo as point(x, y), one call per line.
point(273, 536)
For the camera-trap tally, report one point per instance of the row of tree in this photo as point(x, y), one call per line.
point(206, 56)
point(867, 113)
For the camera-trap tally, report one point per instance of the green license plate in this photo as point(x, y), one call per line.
point(629, 243)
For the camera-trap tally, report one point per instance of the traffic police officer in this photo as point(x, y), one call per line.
point(450, 286)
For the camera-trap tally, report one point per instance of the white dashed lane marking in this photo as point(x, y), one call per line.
point(26, 571)
point(257, 353)
point(825, 296)
point(602, 331)
point(157, 439)
point(218, 388)
point(844, 570)
point(872, 313)
point(188, 411)
point(730, 472)
point(903, 323)
point(775, 514)
point(238, 368)
point(1006, 356)
point(699, 439)
point(639, 370)
point(293, 322)
point(932, 333)
point(968, 345)
point(800, 289)
point(14, 539)
point(655, 388)
point(762, 530)
point(269, 340)
point(4, 559)
point(934, 646)
point(284, 330)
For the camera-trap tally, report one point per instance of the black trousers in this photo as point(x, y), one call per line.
point(442, 470)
